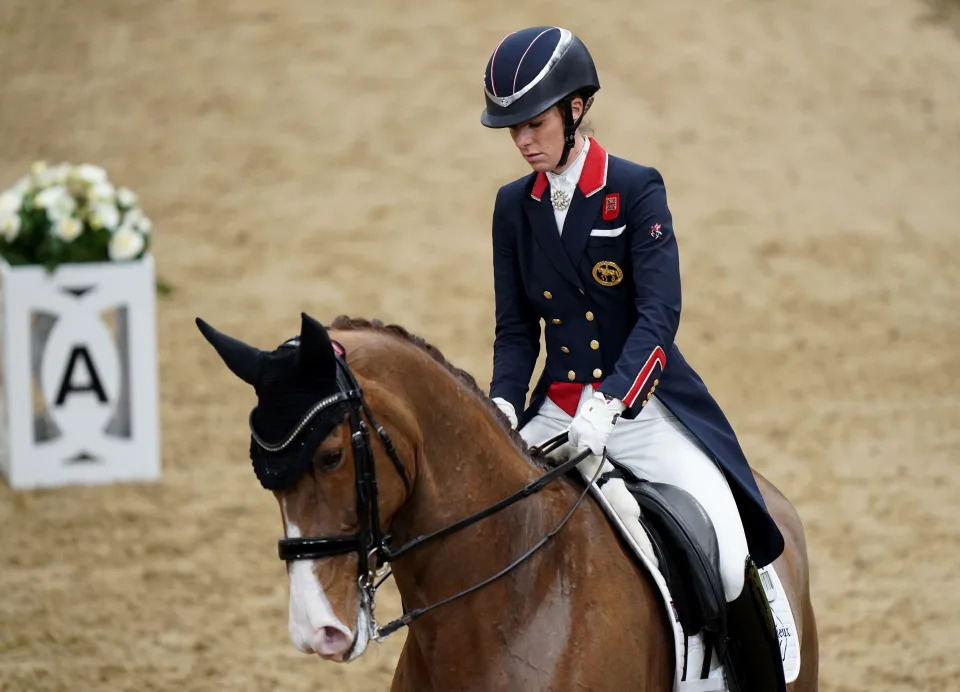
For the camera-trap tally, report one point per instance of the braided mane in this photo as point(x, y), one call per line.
point(346, 323)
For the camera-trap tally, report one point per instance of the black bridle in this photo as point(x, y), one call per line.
point(370, 543)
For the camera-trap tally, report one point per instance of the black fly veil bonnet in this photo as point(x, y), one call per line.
point(302, 396)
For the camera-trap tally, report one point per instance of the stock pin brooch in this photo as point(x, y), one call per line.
point(560, 199)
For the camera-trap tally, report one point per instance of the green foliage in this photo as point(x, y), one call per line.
point(164, 287)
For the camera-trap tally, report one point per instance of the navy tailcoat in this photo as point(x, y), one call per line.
point(608, 291)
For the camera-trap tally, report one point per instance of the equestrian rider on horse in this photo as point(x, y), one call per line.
point(586, 244)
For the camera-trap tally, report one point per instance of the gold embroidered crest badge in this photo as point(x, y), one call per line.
point(607, 273)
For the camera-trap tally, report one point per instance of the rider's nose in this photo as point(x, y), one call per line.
point(521, 137)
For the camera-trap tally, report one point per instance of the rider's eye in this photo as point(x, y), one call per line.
point(328, 459)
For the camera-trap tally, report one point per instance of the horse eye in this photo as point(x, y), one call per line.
point(329, 459)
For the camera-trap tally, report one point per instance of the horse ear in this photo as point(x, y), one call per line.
point(243, 360)
point(316, 351)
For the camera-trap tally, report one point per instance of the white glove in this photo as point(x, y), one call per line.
point(594, 422)
point(508, 410)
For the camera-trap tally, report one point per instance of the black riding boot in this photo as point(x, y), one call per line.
point(752, 655)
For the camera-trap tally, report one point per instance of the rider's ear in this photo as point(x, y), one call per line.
point(243, 360)
point(577, 107)
point(316, 352)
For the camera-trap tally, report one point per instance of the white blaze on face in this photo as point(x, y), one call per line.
point(313, 626)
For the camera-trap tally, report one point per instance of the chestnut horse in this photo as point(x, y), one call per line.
point(579, 614)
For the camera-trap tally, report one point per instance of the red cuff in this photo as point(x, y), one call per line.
point(648, 379)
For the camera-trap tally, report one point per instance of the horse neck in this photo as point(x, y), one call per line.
point(530, 625)
point(466, 463)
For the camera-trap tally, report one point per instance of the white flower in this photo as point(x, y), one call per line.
point(90, 182)
point(10, 201)
point(132, 217)
point(57, 201)
point(48, 197)
point(90, 174)
point(37, 170)
point(126, 197)
point(52, 175)
point(104, 215)
point(9, 226)
point(125, 244)
point(101, 192)
point(67, 228)
point(134, 220)
point(22, 186)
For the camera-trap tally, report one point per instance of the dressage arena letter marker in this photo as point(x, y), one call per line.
point(79, 374)
point(93, 379)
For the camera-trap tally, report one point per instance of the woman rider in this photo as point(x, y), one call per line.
point(586, 244)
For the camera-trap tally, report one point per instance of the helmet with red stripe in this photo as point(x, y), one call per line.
point(534, 69)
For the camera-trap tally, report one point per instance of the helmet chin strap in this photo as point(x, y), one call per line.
point(569, 129)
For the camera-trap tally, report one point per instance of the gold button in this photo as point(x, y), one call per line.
point(589, 316)
point(656, 382)
point(565, 349)
point(594, 344)
point(598, 373)
point(571, 375)
point(548, 295)
point(556, 321)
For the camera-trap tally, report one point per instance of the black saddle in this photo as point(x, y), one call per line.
point(685, 543)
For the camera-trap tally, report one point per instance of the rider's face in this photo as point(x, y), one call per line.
point(540, 139)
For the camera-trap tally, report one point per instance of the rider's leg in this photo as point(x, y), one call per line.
point(550, 421)
point(658, 447)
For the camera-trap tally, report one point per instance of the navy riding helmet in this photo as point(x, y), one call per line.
point(534, 69)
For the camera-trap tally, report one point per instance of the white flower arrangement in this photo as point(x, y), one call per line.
point(67, 213)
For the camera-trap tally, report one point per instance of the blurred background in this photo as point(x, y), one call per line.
point(328, 157)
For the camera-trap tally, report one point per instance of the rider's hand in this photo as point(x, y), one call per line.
point(508, 410)
point(594, 422)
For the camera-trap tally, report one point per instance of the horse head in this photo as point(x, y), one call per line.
point(303, 449)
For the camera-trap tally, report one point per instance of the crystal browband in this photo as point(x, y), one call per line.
point(318, 408)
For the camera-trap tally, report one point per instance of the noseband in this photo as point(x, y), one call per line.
point(370, 543)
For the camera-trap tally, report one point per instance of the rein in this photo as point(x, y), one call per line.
point(370, 543)
point(527, 490)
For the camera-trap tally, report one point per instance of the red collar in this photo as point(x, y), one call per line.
point(593, 177)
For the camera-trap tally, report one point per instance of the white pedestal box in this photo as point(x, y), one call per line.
point(79, 374)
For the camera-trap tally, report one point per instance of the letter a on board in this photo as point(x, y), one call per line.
point(68, 386)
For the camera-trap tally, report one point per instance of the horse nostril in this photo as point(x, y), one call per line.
point(331, 641)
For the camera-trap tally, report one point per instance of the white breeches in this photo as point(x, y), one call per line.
point(658, 447)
